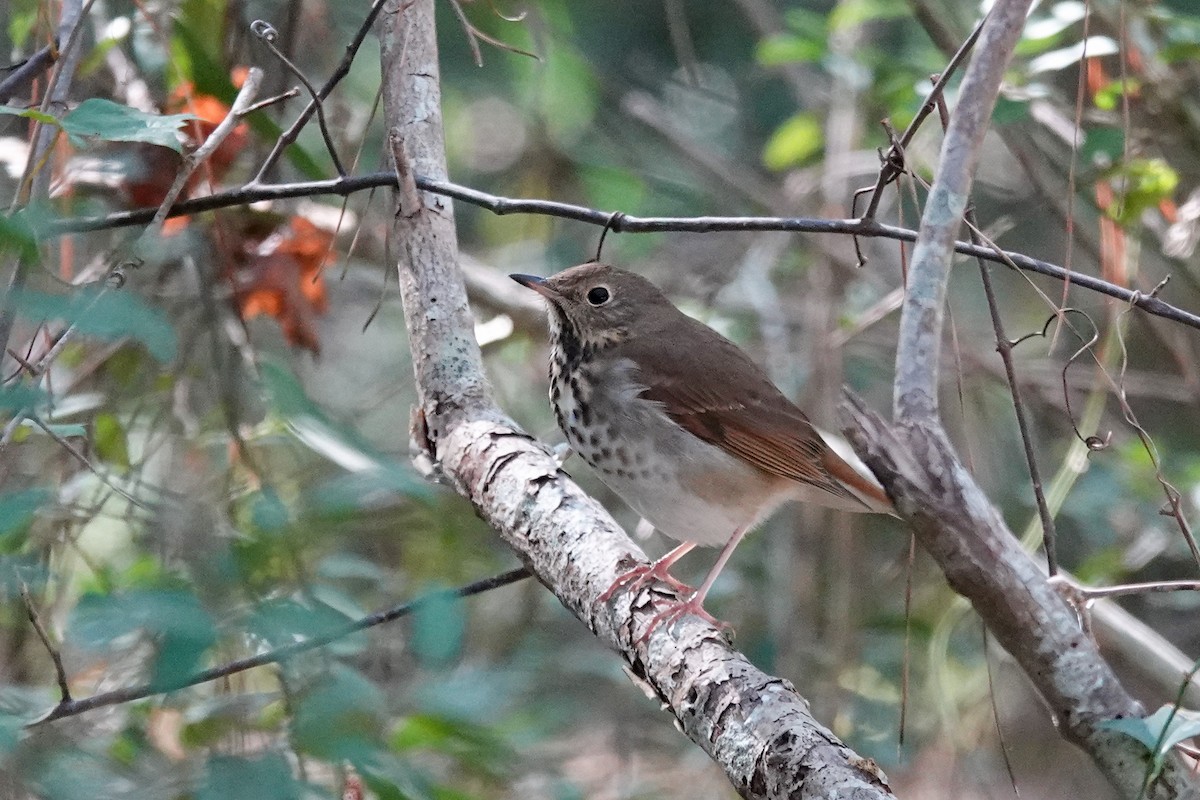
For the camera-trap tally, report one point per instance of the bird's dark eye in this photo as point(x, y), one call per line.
point(598, 296)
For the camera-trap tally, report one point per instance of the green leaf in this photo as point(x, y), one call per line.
point(475, 747)
point(283, 620)
point(17, 512)
point(66, 431)
point(19, 396)
point(1103, 145)
point(1046, 32)
point(794, 142)
point(1009, 111)
point(31, 113)
point(268, 512)
point(106, 314)
point(268, 777)
point(113, 122)
point(10, 732)
point(175, 620)
point(1160, 731)
point(1108, 97)
point(393, 779)
point(438, 627)
point(785, 48)
point(566, 92)
point(339, 717)
point(1092, 47)
point(372, 473)
point(1147, 182)
point(109, 440)
point(852, 13)
point(69, 773)
point(18, 234)
point(610, 187)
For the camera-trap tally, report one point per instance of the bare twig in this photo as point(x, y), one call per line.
point(24, 73)
point(60, 673)
point(625, 223)
point(893, 159)
point(341, 71)
point(241, 107)
point(1089, 594)
point(267, 34)
point(1005, 347)
point(70, 708)
point(475, 36)
point(755, 726)
point(100, 474)
point(270, 101)
point(36, 177)
point(935, 493)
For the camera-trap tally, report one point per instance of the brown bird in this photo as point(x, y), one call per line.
point(680, 423)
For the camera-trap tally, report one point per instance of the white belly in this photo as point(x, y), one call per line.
point(688, 489)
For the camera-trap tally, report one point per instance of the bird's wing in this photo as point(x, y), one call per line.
point(736, 407)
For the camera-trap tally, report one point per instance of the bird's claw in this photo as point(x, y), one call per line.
point(677, 609)
point(642, 575)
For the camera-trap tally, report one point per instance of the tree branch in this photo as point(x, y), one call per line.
point(754, 725)
point(620, 223)
point(949, 514)
point(68, 707)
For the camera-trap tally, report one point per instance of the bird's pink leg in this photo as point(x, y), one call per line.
point(643, 574)
point(695, 604)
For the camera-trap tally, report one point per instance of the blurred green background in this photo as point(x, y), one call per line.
point(186, 483)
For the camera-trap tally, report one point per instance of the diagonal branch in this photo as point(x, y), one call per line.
point(69, 707)
point(754, 725)
point(949, 514)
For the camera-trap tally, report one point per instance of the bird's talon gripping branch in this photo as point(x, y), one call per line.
point(679, 608)
point(643, 575)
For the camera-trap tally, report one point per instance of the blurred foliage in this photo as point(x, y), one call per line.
point(204, 451)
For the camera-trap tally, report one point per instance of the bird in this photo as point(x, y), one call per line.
point(681, 423)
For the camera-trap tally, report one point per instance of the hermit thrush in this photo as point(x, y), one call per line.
point(679, 422)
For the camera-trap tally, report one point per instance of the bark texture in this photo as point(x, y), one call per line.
point(950, 515)
point(755, 725)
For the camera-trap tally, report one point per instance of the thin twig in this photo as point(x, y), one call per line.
point(267, 35)
point(86, 462)
point(341, 71)
point(36, 177)
point(625, 224)
point(71, 708)
point(987, 662)
point(240, 107)
point(919, 344)
point(60, 673)
point(891, 169)
point(29, 69)
point(1092, 593)
point(116, 275)
point(475, 35)
point(270, 101)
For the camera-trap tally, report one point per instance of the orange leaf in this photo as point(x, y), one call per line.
point(278, 274)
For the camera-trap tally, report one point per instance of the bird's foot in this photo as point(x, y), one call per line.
point(678, 608)
point(642, 575)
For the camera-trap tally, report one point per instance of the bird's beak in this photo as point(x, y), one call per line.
point(537, 284)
